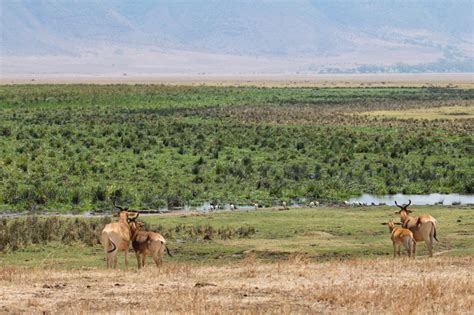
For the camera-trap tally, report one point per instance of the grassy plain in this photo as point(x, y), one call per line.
point(327, 259)
point(73, 147)
point(318, 234)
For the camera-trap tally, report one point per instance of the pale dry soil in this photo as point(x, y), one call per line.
point(464, 80)
point(441, 285)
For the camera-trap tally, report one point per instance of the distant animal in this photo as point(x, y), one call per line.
point(232, 207)
point(146, 243)
point(255, 205)
point(347, 203)
point(116, 237)
point(285, 207)
point(401, 236)
point(314, 204)
point(423, 226)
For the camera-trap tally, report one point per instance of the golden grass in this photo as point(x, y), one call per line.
point(401, 286)
point(428, 113)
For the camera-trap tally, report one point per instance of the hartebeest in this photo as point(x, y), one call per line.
point(423, 226)
point(147, 243)
point(401, 236)
point(116, 236)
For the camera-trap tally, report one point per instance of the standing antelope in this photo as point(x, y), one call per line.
point(147, 243)
point(423, 226)
point(401, 236)
point(116, 237)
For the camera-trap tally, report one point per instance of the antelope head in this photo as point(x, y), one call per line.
point(132, 216)
point(391, 224)
point(403, 207)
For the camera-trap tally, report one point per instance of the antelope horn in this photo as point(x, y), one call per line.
point(409, 203)
point(398, 205)
point(116, 206)
point(134, 216)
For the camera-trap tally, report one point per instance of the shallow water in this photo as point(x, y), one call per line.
point(431, 199)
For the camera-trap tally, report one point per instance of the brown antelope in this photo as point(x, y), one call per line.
point(401, 236)
point(423, 226)
point(147, 243)
point(116, 237)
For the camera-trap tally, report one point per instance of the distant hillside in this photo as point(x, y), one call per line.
point(150, 36)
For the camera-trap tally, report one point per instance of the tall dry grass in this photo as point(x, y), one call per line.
point(442, 285)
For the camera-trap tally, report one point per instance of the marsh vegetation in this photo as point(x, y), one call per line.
point(66, 147)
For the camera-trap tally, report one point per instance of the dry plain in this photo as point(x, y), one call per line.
point(442, 285)
point(462, 80)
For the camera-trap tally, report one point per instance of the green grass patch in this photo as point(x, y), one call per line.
point(319, 233)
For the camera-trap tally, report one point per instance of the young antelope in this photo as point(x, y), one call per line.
point(401, 236)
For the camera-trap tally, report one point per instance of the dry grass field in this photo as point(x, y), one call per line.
point(442, 112)
point(442, 285)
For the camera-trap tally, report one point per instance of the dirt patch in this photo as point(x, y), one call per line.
point(320, 234)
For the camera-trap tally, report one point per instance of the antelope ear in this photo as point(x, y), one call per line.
point(397, 223)
point(385, 223)
point(409, 211)
point(397, 212)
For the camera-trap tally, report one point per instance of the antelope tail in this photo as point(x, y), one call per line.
point(434, 234)
point(168, 251)
point(113, 244)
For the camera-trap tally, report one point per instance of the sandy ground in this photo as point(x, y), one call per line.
point(277, 80)
point(442, 285)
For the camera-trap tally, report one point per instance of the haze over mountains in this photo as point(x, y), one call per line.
point(232, 36)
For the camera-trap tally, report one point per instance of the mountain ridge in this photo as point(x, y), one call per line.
point(296, 36)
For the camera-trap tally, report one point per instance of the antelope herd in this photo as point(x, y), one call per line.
point(117, 236)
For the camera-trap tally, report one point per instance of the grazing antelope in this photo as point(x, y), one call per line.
point(147, 243)
point(116, 237)
point(401, 236)
point(423, 226)
point(285, 206)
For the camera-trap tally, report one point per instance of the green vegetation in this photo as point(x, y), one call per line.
point(73, 147)
point(317, 234)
